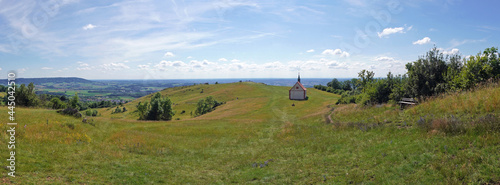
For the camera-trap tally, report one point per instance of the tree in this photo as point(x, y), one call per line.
point(426, 73)
point(74, 101)
point(480, 68)
point(452, 76)
point(366, 77)
point(57, 103)
point(334, 84)
point(142, 108)
point(25, 96)
point(157, 109)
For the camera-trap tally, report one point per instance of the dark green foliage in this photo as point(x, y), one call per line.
point(74, 102)
point(25, 96)
point(366, 77)
point(57, 103)
point(336, 86)
point(3, 88)
point(71, 112)
point(157, 109)
point(430, 75)
point(206, 105)
point(480, 68)
point(426, 73)
point(117, 110)
point(142, 108)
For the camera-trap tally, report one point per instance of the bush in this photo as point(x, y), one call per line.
point(206, 105)
point(90, 112)
point(117, 110)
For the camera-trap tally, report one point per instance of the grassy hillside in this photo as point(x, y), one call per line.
point(256, 137)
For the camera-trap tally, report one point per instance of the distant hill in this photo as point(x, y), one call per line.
point(38, 81)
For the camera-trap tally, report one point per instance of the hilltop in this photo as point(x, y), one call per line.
point(259, 137)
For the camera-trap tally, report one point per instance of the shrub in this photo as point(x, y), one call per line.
point(90, 112)
point(206, 105)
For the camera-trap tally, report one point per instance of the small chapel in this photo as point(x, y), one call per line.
point(298, 91)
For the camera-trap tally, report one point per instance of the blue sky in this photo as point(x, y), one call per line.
point(182, 39)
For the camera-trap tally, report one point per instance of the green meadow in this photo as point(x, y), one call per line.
point(258, 137)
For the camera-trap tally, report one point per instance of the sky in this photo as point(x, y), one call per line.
point(183, 39)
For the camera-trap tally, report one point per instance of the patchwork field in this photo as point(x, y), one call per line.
point(257, 136)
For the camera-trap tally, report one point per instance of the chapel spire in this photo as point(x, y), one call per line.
point(298, 79)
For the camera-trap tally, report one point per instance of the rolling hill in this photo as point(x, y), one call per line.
point(256, 137)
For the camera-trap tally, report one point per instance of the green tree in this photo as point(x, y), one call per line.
point(366, 77)
point(26, 96)
point(142, 108)
point(74, 102)
point(426, 73)
point(480, 68)
point(452, 76)
point(334, 84)
point(57, 103)
point(157, 109)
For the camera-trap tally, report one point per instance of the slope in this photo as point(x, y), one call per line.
point(257, 138)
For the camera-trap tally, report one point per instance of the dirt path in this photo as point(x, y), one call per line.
point(329, 117)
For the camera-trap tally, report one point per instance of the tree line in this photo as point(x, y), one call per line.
point(433, 73)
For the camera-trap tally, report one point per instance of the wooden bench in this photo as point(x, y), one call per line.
point(407, 102)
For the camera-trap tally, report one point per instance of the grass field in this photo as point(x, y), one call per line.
point(256, 137)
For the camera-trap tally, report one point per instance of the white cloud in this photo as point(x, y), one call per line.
point(83, 68)
point(0, 68)
point(274, 65)
point(450, 52)
point(143, 67)
point(89, 27)
point(384, 59)
point(46, 68)
point(235, 60)
point(310, 51)
point(114, 66)
point(425, 40)
point(336, 52)
point(82, 64)
point(389, 31)
point(22, 70)
point(222, 60)
point(189, 57)
point(165, 65)
point(169, 54)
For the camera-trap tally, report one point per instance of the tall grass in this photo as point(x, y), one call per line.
point(267, 141)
